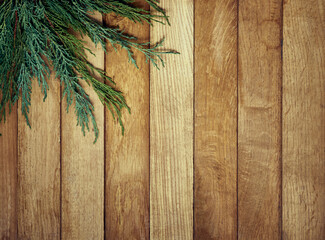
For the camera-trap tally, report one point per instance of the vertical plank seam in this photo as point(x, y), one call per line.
point(105, 131)
point(17, 170)
point(237, 118)
point(60, 137)
point(194, 140)
point(281, 125)
point(149, 136)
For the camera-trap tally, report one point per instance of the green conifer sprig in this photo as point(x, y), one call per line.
point(39, 37)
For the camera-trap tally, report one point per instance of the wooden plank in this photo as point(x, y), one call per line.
point(303, 120)
point(39, 166)
point(171, 128)
point(83, 167)
point(127, 157)
point(215, 119)
point(259, 119)
point(8, 176)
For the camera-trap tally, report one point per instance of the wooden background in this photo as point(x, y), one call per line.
point(226, 142)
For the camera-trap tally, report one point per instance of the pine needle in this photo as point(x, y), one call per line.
point(39, 35)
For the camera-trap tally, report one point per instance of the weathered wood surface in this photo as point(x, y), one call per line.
point(304, 120)
point(8, 177)
point(259, 119)
point(171, 128)
point(215, 162)
point(39, 166)
point(83, 167)
point(226, 142)
point(127, 157)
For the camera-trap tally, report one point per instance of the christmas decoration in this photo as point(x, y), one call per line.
point(40, 35)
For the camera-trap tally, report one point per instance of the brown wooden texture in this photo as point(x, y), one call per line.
point(171, 128)
point(226, 142)
point(304, 120)
point(83, 167)
point(215, 119)
point(259, 119)
point(8, 177)
point(127, 157)
point(39, 166)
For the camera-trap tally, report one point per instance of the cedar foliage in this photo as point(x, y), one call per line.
point(39, 37)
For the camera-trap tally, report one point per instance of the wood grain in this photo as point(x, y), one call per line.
point(83, 167)
point(215, 119)
point(39, 166)
point(259, 119)
point(127, 157)
point(8, 176)
point(246, 116)
point(171, 128)
point(304, 120)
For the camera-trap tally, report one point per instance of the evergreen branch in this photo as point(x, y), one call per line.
point(39, 37)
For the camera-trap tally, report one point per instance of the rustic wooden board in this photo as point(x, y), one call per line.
point(83, 168)
point(8, 176)
point(215, 202)
point(39, 166)
point(107, 191)
point(304, 120)
point(171, 128)
point(127, 157)
point(259, 119)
